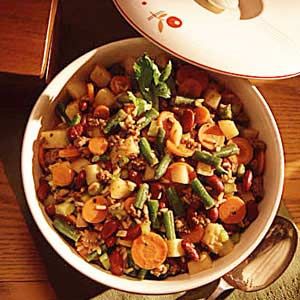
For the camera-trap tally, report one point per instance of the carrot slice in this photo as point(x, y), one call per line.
point(196, 235)
point(180, 150)
point(189, 71)
point(128, 204)
point(120, 84)
point(149, 251)
point(233, 210)
point(202, 115)
point(91, 91)
point(62, 174)
point(246, 150)
point(102, 111)
point(190, 88)
point(69, 153)
point(95, 210)
point(210, 136)
point(98, 145)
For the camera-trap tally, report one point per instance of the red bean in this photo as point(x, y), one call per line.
point(109, 228)
point(231, 228)
point(247, 180)
point(187, 120)
point(135, 177)
point(116, 263)
point(189, 249)
point(43, 190)
point(133, 232)
point(258, 163)
point(75, 131)
point(80, 180)
point(252, 210)
point(83, 105)
point(50, 210)
point(215, 182)
point(213, 214)
point(111, 241)
point(156, 190)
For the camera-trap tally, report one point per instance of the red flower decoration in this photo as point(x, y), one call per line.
point(174, 22)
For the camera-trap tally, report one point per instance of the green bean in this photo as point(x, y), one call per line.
point(66, 229)
point(200, 190)
point(162, 166)
point(60, 110)
point(169, 224)
point(160, 141)
point(147, 152)
point(149, 116)
point(228, 150)
point(141, 196)
point(225, 112)
point(142, 273)
point(153, 206)
point(179, 100)
point(175, 201)
point(104, 259)
point(92, 256)
point(114, 121)
point(76, 120)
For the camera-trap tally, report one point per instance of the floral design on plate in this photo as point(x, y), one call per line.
point(160, 16)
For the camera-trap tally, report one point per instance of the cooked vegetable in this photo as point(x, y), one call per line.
point(104, 259)
point(141, 196)
point(55, 139)
point(225, 112)
point(149, 116)
point(66, 229)
point(114, 121)
point(100, 76)
point(163, 166)
point(91, 173)
point(153, 206)
point(98, 145)
point(65, 208)
point(209, 159)
point(204, 169)
point(246, 150)
point(174, 248)
point(95, 210)
point(204, 263)
point(228, 150)
point(179, 150)
point(105, 97)
point(200, 190)
point(169, 224)
point(141, 105)
point(228, 128)
point(149, 251)
point(62, 174)
point(147, 152)
point(69, 153)
point(175, 201)
point(210, 136)
point(179, 100)
point(120, 188)
point(142, 273)
point(160, 140)
point(233, 210)
point(93, 256)
point(181, 172)
point(202, 115)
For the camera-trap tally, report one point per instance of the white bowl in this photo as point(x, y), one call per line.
point(41, 118)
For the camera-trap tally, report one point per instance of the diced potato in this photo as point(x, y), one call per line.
point(204, 263)
point(105, 97)
point(100, 76)
point(149, 173)
point(55, 139)
point(153, 129)
point(228, 128)
point(214, 237)
point(91, 173)
point(79, 164)
point(227, 248)
point(204, 169)
point(180, 174)
point(76, 89)
point(212, 98)
point(120, 188)
point(64, 208)
point(72, 109)
point(174, 248)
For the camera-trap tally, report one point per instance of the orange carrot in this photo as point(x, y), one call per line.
point(233, 210)
point(196, 235)
point(246, 150)
point(128, 204)
point(180, 150)
point(62, 174)
point(202, 115)
point(95, 210)
point(149, 251)
point(102, 111)
point(91, 91)
point(98, 145)
point(69, 153)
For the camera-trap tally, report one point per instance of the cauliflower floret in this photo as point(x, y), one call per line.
point(215, 236)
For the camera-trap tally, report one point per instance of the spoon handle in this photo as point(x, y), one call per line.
point(221, 288)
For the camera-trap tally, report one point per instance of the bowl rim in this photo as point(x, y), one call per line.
point(60, 246)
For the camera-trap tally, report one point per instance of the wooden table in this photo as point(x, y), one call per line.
point(30, 268)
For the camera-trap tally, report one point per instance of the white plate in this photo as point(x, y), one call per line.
point(254, 39)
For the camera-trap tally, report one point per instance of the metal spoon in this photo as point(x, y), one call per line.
point(268, 261)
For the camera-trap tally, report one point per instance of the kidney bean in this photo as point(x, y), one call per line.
point(111, 241)
point(109, 228)
point(50, 210)
point(43, 190)
point(213, 214)
point(135, 177)
point(80, 180)
point(189, 249)
point(252, 210)
point(83, 105)
point(187, 120)
point(75, 131)
point(116, 263)
point(247, 180)
point(231, 228)
point(133, 232)
point(215, 182)
point(258, 163)
point(257, 188)
point(156, 190)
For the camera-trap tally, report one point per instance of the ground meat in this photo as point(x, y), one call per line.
point(139, 164)
point(103, 176)
point(88, 242)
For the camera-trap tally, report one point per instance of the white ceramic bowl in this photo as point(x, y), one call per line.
point(261, 118)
